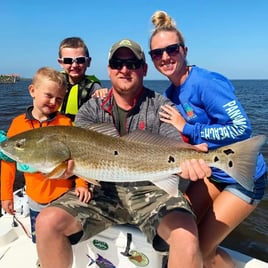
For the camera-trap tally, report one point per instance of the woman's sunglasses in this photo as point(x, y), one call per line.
point(171, 50)
point(131, 64)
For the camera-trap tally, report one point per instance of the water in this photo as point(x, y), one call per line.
point(251, 237)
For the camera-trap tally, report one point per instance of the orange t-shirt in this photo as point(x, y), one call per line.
point(38, 187)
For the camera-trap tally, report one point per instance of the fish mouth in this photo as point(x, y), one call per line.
point(11, 156)
point(4, 149)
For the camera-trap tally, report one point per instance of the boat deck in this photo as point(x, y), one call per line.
point(17, 249)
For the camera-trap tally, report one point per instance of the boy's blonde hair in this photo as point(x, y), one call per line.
point(52, 75)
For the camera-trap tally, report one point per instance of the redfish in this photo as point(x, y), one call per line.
point(100, 154)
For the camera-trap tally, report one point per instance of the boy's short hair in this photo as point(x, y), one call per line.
point(52, 75)
point(73, 42)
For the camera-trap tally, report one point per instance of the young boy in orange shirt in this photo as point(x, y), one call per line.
point(47, 90)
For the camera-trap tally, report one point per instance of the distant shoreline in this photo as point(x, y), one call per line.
point(256, 79)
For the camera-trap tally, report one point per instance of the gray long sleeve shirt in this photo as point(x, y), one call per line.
point(144, 115)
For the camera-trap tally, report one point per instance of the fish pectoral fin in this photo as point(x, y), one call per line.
point(169, 184)
point(58, 171)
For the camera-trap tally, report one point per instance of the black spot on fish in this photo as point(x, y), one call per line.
point(230, 164)
point(228, 151)
point(116, 153)
point(171, 159)
point(216, 159)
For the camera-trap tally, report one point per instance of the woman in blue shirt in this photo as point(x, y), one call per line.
point(209, 112)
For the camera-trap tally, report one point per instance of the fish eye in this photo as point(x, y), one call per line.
point(19, 144)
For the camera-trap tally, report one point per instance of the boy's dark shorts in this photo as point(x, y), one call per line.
point(141, 204)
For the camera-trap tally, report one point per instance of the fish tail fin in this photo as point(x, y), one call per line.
point(242, 158)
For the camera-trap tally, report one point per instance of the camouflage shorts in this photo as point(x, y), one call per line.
point(142, 205)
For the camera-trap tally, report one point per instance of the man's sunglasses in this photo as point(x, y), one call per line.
point(78, 60)
point(171, 50)
point(131, 64)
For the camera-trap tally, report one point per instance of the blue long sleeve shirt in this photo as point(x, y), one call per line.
point(213, 114)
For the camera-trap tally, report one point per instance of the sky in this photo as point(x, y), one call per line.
point(225, 36)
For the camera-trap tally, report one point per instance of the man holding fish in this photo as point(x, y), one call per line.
point(167, 221)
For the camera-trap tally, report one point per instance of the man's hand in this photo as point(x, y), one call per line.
point(195, 169)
